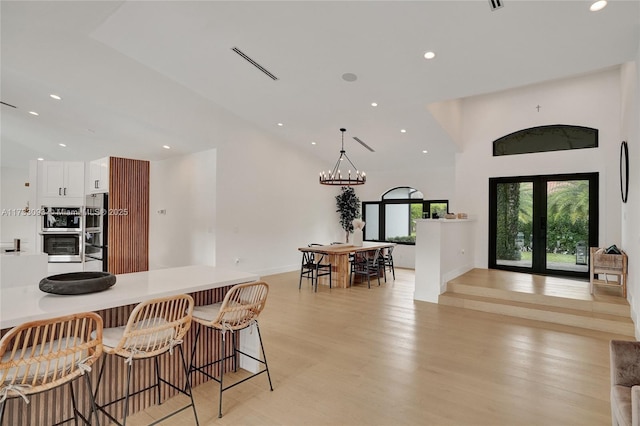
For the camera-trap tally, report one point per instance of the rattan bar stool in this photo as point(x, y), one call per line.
point(239, 310)
point(42, 355)
point(155, 327)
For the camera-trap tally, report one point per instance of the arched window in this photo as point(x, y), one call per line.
point(393, 217)
point(557, 137)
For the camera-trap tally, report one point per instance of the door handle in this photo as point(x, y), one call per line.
point(96, 184)
point(65, 191)
point(59, 191)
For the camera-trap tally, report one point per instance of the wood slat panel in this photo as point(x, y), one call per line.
point(128, 237)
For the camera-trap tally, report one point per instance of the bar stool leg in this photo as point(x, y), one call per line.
point(74, 406)
point(2, 410)
point(126, 396)
point(221, 373)
point(157, 368)
point(188, 384)
point(264, 357)
point(92, 400)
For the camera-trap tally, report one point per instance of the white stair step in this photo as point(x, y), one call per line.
point(618, 324)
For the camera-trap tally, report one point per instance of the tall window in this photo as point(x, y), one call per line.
point(393, 218)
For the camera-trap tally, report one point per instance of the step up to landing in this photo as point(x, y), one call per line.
point(559, 301)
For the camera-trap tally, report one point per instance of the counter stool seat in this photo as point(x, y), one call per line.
point(155, 327)
point(42, 355)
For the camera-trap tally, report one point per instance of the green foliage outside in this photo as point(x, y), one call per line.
point(403, 239)
point(567, 220)
point(508, 219)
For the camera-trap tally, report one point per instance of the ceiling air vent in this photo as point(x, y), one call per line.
point(357, 139)
point(254, 63)
point(9, 105)
point(496, 4)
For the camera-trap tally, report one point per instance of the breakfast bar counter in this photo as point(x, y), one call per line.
point(23, 303)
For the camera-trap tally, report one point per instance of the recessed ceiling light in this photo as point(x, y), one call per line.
point(429, 55)
point(598, 5)
point(403, 131)
point(424, 151)
point(280, 124)
point(56, 97)
point(40, 159)
point(62, 145)
point(33, 113)
point(313, 143)
point(374, 104)
point(166, 146)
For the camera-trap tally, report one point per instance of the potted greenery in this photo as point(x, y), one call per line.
point(348, 205)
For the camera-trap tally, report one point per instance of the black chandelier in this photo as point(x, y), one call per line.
point(335, 177)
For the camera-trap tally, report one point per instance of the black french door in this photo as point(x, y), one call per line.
point(543, 224)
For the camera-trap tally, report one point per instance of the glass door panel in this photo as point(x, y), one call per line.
point(514, 226)
point(567, 230)
point(543, 224)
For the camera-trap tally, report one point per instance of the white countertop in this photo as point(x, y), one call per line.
point(28, 303)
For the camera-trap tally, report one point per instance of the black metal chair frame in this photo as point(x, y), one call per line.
point(312, 267)
point(186, 391)
point(387, 262)
point(234, 357)
point(365, 264)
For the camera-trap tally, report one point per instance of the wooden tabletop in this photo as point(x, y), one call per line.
point(346, 248)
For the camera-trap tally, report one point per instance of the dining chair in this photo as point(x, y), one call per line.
point(366, 265)
point(387, 262)
point(239, 310)
point(313, 267)
point(42, 355)
point(155, 327)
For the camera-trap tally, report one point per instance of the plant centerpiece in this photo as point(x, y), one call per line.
point(348, 205)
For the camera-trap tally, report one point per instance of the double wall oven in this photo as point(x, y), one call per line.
point(95, 234)
point(62, 229)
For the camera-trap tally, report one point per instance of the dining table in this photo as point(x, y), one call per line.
point(338, 256)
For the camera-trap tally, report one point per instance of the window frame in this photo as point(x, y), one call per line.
point(426, 208)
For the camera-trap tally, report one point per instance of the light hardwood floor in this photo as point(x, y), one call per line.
point(361, 356)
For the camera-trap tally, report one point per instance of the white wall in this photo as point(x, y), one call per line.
point(269, 203)
point(185, 189)
point(251, 199)
point(630, 125)
point(14, 197)
point(590, 100)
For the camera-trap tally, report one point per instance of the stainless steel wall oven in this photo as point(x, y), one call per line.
point(61, 233)
point(63, 246)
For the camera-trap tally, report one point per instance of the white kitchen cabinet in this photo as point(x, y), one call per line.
point(98, 176)
point(61, 182)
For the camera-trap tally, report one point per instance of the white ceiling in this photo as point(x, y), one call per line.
point(137, 75)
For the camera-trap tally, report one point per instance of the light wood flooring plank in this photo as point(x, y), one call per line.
point(361, 356)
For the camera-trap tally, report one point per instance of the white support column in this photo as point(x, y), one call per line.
point(444, 250)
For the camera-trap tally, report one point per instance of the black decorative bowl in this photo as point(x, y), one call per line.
point(77, 282)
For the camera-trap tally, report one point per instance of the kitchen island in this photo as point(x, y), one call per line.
point(21, 304)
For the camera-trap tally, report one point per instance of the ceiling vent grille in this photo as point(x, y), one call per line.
point(254, 63)
point(496, 4)
point(9, 105)
point(357, 139)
